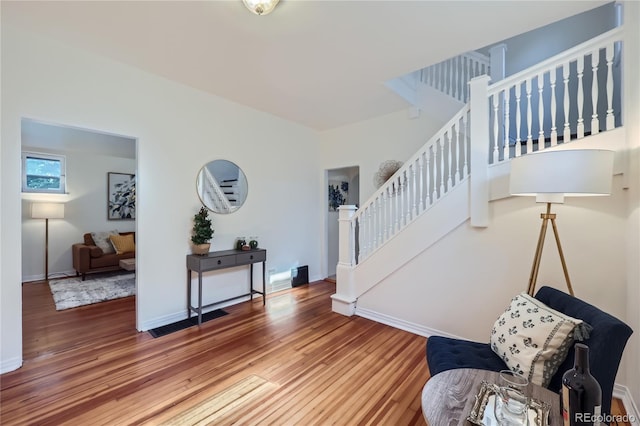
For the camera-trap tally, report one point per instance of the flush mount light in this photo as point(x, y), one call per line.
point(261, 7)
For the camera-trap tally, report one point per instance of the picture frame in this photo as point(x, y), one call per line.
point(121, 196)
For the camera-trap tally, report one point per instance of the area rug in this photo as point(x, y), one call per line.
point(73, 292)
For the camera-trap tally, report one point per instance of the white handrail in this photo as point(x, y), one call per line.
point(428, 175)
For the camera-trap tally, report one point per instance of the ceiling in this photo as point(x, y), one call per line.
point(318, 63)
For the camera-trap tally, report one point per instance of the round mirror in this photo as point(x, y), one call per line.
point(222, 186)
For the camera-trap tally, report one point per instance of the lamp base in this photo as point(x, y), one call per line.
point(546, 217)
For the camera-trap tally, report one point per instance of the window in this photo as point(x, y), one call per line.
point(43, 173)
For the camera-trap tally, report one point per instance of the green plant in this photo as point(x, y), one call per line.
point(202, 229)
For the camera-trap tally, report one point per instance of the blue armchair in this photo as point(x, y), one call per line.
point(606, 342)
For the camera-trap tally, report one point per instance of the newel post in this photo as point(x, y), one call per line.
point(479, 151)
point(344, 301)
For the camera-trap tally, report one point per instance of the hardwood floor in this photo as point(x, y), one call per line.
point(291, 362)
point(304, 364)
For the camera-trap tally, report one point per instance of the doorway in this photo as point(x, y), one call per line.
point(344, 185)
point(89, 156)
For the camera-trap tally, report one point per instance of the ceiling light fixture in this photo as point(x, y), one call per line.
point(260, 7)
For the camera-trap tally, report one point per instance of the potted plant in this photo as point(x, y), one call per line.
point(202, 232)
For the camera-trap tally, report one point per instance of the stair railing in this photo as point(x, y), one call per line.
point(214, 195)
point(565, 97)
point(434, 170)
point(452, 76)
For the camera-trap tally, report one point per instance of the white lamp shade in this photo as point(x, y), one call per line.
point(551, 175)
point(47, 211)
point(261, 7)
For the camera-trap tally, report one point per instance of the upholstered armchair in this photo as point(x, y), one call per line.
point(606, 342)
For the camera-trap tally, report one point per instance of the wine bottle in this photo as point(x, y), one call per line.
point(581, 399)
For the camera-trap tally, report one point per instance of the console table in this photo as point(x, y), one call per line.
point(221, 260)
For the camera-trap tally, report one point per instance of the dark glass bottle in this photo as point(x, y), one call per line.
point(581, 398)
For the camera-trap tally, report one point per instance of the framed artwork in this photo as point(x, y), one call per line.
point(121, 196)
point(338, 191)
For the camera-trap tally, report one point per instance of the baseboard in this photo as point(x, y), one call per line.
point(8, 365)
point(179, 316)
point(401, 324)
point(623, 393)
point(52, 275)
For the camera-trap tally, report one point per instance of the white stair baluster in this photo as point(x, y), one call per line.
point(434, 178)
point(414, 172)
point(595, 61)
point(566, 134)
point(352, 239)
point(529, 117)
point(580, 128)
point(441, 175)
point(449, 162)
point(518, 118)
point(465, 146)
point(506, 124)
point(496, 151)
point(554, 130)
point(380, 223)
point(374, 224)
point(421, 175)
point(540, 112)
point(389, 192)
point(406, 174)
point(397, 195)
point(459, 149)
point(610, 118)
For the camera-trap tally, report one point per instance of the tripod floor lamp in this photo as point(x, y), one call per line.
point(47, 211)
point(552, 175)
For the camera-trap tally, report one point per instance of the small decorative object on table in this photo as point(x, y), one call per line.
point(202, 232)
point(240, 242)
point(253, 243)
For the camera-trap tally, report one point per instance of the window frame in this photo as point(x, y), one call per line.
point(44, 156)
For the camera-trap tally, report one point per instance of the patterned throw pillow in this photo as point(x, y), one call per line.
point(533, 339)
point(101, 239)
point(123, 243)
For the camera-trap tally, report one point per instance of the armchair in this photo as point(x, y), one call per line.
point(606, 342)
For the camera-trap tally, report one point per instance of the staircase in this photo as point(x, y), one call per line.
point(565, 99)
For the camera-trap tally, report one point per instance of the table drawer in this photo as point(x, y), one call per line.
point(251, 257)
point(217, 262)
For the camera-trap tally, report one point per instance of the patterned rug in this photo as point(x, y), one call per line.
point(73, 292)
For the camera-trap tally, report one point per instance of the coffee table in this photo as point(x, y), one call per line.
point(128, 264)
point(448, 397)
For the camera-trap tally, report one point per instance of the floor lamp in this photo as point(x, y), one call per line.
point(47, 211)
point(550, 176)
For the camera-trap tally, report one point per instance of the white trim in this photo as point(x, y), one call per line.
point(401, 324)
point(622, 392)
point(179, 316)
point(10, 365)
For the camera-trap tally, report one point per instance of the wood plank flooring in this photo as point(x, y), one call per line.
point(309, 366)
point(293, 362)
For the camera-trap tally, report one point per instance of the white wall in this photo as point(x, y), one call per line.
point(632, 125)
point(178, 130)
point(85, 211)
point(368, 143)
point(530, 48)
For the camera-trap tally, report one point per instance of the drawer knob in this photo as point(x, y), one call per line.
point(251, 257)
point(219, 261)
